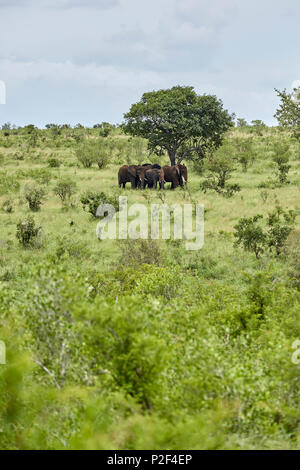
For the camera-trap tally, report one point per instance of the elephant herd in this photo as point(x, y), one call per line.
point(149, 175)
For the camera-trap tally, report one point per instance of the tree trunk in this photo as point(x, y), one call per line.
point(172, 155)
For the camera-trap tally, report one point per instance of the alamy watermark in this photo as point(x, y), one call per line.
point(2, 352)
point(2, 92)
point(296, 354)
point(296, 91)
point(187, 221)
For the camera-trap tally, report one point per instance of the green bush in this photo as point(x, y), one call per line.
point(220, 167)
point(92, 200)
point(27, 231)
point(250, 235)
point(98, 151)
point(138, 252)
point(53, 162)
point(35, 197)
point(255, 238)
point(64, 189)
point(281, 156)
point(84, 156)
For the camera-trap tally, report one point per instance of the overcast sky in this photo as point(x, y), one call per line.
point(87, 61)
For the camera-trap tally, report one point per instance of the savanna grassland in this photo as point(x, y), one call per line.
point(143, 344)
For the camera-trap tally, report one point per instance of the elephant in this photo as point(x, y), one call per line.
point(153, 176)
point(183, 172)
point(172, 174)
point(124, 177)
point(134, 174)
point(152, 165)
point(140, 174)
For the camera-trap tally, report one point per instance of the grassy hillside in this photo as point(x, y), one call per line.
point(143, 344)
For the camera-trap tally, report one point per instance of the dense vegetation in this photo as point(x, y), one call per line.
point(142, 344)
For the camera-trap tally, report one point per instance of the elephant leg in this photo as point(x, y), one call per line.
point(132, 181)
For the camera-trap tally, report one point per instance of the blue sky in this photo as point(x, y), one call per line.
point(87, 61)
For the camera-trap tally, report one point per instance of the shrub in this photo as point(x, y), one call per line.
point(48, 308)
point(92, 200)
point(73, 248)
point(27, 231)
point(281, 224)
point(220, 167)
point(255, 238)
point(101, 151)
point(53, 162)
point(7, 206)
point(244, 152)
point(84, 156)
point(98, 151)
point(64, 189)
point(34, 196)
point(281, 155)
point(138, 252)
point(250, 235)
point(104, 132)
point(95, 151)
point(258, 127)
point(122, 342)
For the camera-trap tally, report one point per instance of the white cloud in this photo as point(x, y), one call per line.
point(59, 3)
point(237, 50)
point(89, 75)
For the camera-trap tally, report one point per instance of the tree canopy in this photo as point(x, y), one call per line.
point(179, 121)
point(288, 113)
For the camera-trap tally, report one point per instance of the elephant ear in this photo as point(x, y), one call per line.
point(132, 171)
point(142, 171)
point(177, 170)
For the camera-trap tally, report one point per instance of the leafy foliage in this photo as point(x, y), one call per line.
point(220, 167)
point(178, 121)
point(92, 200)
point(64, 189)
point(34, 196)
point(288, 113)
point(254, 238)
point(27, 231)
point(281, 157)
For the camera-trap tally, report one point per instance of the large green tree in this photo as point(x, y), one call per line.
point(179, 121)
point(288, 113)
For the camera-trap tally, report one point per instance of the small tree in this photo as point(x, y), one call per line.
point(240, 122)
point(220, 167)
point(64, 189)
point(244, 152)
point(98, 151)
point(250, 235)
point(281, 155)
point(288, 113)
point(280, 224)
point(84, 156)
point(258, 126)
point(101, 151)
